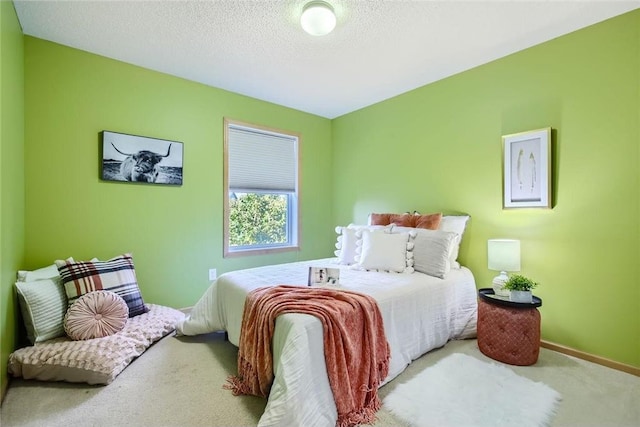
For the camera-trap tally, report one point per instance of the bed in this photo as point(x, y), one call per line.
point(420, 313)
point(425, 298)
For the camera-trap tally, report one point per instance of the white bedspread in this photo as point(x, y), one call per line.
point(420, 313)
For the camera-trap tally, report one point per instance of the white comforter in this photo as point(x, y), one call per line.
point(420, 313)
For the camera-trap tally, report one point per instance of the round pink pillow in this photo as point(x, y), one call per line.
point(95, 315)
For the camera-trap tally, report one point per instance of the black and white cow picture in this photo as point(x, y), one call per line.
point(142, 166)
point(140, 159)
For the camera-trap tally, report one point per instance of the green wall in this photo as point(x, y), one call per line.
point(11, 176)
point(174, 233)
point(439, 148)
point(434, 148)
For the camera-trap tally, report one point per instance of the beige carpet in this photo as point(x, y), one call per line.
point(178, 382)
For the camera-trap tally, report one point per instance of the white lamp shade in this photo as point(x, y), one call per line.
point(504, 254)
point(318, 18)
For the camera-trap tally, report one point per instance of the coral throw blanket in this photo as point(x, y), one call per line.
point(356, 350)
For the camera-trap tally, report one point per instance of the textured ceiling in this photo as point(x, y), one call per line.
point(379, 49)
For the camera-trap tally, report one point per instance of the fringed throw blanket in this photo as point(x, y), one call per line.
point(355, 348)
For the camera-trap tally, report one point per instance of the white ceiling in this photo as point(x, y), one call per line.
point(378, 50)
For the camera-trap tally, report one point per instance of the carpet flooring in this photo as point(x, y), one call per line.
point(178, 382)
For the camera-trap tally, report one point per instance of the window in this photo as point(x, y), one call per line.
point(261, 189)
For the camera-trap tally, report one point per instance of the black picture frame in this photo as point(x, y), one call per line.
point(140, 159)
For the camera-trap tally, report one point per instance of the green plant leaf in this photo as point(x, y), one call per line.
point(518, 282)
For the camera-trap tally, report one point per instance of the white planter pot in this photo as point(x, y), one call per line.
point(521, 296)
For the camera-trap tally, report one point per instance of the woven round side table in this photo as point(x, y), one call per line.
point(508, 331)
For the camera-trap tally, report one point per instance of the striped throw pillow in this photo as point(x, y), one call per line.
point(43, 304)
point(116, 275)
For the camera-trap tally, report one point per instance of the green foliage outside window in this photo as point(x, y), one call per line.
point(257, 219)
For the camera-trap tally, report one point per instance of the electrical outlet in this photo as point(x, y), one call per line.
point(213, 274)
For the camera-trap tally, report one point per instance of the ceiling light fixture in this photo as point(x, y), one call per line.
point(318, 18)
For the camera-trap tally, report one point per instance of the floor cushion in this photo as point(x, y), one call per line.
point(97, 360)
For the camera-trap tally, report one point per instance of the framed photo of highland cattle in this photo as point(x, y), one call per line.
point(140, 159)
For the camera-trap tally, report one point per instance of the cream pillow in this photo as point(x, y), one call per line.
point(42, 301)
point(43, 304)
point(385, 252)
point(456, 224)
point(50, 272)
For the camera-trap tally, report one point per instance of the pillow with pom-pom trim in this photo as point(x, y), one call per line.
point(347, 241)
point(385, 252)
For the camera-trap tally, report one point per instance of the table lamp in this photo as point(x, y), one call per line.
point(504, 256)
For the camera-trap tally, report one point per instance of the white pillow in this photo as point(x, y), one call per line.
point(386, 252)
point(455, 224)
point(50, 272)
point(346, 245)
point(347, 241)
point(432, 252)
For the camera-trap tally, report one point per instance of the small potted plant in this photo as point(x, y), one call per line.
point(520, 288)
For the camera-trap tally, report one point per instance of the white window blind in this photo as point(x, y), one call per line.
point(260, 160)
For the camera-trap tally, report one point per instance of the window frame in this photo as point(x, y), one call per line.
point(293, 205)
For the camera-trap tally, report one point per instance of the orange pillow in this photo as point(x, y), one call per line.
point(380, 219)
point(428, 221)
point(402, 220)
